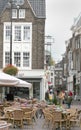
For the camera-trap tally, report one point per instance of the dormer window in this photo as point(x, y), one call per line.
point(21, 13)
point(14, 13)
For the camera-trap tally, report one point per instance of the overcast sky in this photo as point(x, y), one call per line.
point(60, 16)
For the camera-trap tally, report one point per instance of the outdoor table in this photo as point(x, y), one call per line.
point(4, 125)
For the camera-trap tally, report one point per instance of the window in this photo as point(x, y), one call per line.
point(26, 58)
point(51, 74)
point(7, 33)
point(57, 72)
point(60, 73)
point(14, 13)
point(17, 59)
point(60, 81)
point(17, 33)
point(56, 82)
point(26, 33)
point(21, 13)
point(7, 58)
point(77, 43)
point(20, 32)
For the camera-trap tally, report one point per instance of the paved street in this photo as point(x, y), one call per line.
point(39, 122)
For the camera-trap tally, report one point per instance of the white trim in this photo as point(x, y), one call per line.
point(19, 46)
point(23, 16)
point(14, 16)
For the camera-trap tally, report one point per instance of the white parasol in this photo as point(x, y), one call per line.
point(7, 80)
point(23, 83)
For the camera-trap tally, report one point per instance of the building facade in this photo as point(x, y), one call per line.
point(23, 24)
point(73, 56)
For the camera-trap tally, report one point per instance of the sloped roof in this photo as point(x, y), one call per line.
point(38, 6)
point(2, 4)
point(77, 22)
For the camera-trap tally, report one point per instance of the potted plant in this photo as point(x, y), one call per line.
point(10, 69)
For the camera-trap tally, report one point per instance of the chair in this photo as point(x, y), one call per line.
point(58, 120)
point(75, 120)
point(28, 118)
point(17, 118)
point(6, 116)
point(48, 118)
point(26, 109)
point(34, 113)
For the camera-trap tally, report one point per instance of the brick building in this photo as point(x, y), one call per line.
point(28, 31)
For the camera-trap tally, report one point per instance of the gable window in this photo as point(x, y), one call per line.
point(26, 59)
point(17, 33)
point(26, 33)
point(14, 13)
point(7, 33)
point(21, 13)
point(17, 59)
point(7, 58)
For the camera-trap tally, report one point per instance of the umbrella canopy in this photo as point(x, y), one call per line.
point(8, 80)
point(23, 83)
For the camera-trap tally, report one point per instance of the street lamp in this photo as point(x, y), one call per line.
point(11, 5)
point(11, 35)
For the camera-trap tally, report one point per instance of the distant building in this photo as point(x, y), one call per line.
point(73, 56)
point(58, 76)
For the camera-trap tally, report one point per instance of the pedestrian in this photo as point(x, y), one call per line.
point(70, 93)
point(69, 101)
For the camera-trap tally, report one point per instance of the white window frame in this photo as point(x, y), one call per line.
point(14, 13)
point(7, 32)
point(18, 46)
point(17, 33)
point(26, 59)
point(17, 59)
point(7, 58)
point(26, 33)
point(21, 13)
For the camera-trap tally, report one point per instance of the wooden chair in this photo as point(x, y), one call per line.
point(28, 118)
point(48, 119)
point(6, 116)
point(17, 118)
point(25, 109)
point(75, 120)
point(34, 114)
point(58, 120)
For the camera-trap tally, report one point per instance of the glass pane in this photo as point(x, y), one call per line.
point(17, 31)
point(17, 59)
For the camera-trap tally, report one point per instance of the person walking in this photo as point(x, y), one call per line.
point(69, 101)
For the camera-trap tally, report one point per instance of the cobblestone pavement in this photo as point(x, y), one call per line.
point(39, 122)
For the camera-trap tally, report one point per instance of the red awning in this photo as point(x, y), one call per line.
point(50, 83)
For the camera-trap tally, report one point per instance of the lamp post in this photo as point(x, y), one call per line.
point(11, 43)
point(11, 35)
